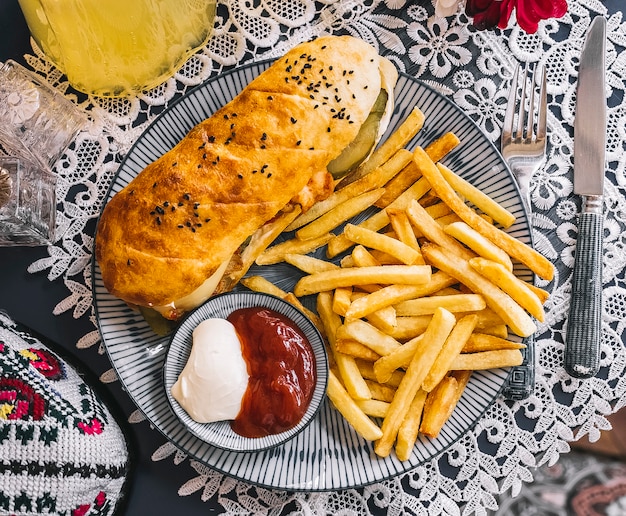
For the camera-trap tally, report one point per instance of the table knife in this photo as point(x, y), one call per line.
point(582, 340)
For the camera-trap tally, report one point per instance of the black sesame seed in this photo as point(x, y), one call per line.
point(160, 210)
point(154, 185)
point(270, 97)
point(264, 136)
point(186, 196)
point(193, 230)
point(158, 221)
point(239, 176)
point(180, 226)
point(128, 262)
point(180, 204)
point(298, 142)
point(153, 212)
point(293, 120)
point(211, 139)
point(207, 220)
point(269, 175)
point(166, 203)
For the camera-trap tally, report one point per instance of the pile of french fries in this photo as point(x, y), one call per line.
point(424, 294)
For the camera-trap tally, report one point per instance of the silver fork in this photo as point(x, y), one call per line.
point(524, 149)
point(523, 146)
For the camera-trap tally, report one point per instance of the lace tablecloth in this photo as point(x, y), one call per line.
point(474, 69)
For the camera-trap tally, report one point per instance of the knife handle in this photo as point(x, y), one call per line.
point(582, 340)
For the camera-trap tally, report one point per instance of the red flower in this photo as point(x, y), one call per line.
point(487, 14)
point(93, 427)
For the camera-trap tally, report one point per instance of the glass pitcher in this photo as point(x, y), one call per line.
point(119, 47)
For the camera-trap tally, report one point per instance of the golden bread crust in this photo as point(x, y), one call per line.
point(167, 231)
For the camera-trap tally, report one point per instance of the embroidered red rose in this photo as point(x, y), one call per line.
point(93, 427)
point(487, 14)
point(45, 362)
point(19, 401)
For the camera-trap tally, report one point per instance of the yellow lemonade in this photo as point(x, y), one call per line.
point(116, 47)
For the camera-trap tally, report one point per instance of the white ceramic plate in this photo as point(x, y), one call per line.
point(220, 433)
point(328, 454)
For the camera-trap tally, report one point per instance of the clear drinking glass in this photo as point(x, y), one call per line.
point(37, 124)
point(119, 47)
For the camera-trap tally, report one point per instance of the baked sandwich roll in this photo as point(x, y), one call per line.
point(165, 240)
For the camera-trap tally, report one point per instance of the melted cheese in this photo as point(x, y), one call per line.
point(197, 297)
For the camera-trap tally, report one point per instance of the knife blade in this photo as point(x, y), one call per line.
point(582, 340)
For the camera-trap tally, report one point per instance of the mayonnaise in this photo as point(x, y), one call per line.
point(214, 380)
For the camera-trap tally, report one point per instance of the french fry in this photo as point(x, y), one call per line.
point(373, 407)
point(379, 220)
point(511, 245)
point(309, 264)
point(433, 232)
point(381, 391)
point(425, 355)
point(290, 298)
point(346, 365)
point(387, 274)
point(398, 358)
point(507, 281)
point(394, 294)
point(542, 294)
point(398, 184)
point(342, 297)
point(484, 342)
point(276, 253)
point(500, 302)
point(443, 145)
point(338, 215)
point(367, 371)
point(259, 242)
point(376, 179)
point(478, 198)
point(398, 139)
point(452, 303)
point(368, 238)
point(440, 403)
point(404, 231)
point(487, 360)
point(478, 243)
point(408, 327)
point(368, 335)
point(356, 350)
point(261, 284)
point(384, 319)
point(348, 408)
point(458, 338)
point(407, 433)
point(497, 330)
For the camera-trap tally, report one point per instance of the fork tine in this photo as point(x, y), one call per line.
point(509, 114)
point(521, 114)
point(530, 123)
point(543, 107)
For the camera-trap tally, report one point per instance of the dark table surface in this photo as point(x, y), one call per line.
point(31, 298)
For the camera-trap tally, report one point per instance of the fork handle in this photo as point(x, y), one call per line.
point(582, 342)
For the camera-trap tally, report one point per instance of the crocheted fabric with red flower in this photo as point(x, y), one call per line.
point(61, 450)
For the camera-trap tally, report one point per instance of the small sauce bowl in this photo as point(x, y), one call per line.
point(220, 434)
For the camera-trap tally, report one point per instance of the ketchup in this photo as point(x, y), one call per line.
point(281, 366)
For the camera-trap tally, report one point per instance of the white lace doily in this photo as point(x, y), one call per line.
point(473, 68)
